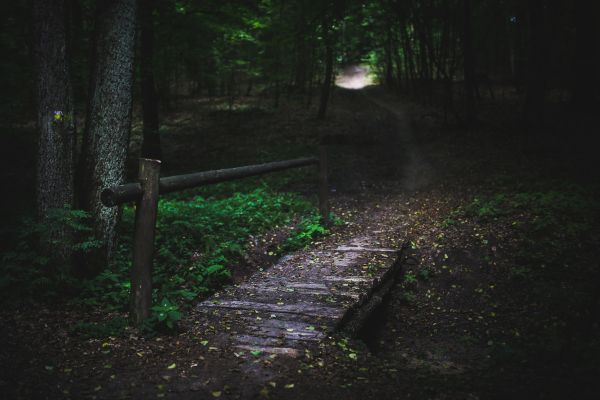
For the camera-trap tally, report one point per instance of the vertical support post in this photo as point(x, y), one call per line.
point(323, 186)
point(143, 245)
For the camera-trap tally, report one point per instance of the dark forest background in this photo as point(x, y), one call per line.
point(501, 95)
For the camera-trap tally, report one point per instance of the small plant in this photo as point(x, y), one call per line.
point(305, 232)
point(425, 273)
point(410, 278)
point(453, 218)
point(165, 316)
point(408, 297)
point(486, 207)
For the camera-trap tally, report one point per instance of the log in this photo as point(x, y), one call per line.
point(133, 191)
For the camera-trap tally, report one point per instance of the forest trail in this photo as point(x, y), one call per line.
point(416, 172)
point(458, 322)
point(382, 147)
point(291, 307)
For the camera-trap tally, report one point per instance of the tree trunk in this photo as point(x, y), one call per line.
point(108, 122)
point(328, 78)
point(55, 117)
point(534, 101)
point(389, 66)
point(586, 57)
point(301, 57)
point(468, 64)
point(151, 143)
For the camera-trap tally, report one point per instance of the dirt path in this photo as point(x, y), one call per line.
point(417, 172)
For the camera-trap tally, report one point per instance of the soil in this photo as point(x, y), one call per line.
point(457, 325)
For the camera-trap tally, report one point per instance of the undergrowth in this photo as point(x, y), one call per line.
point(548, 232)
point(198, 240)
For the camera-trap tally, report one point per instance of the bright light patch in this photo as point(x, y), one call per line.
point(354, 77)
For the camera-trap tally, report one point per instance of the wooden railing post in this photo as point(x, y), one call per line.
point(143, 245)
point(323, 186)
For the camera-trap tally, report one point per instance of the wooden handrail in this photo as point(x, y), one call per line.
point(133, 191)
point(146, 193)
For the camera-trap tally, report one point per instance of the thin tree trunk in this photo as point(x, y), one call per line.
point(468, 64)
point(328, 78)
point(55, 117)
point(389, 66)
point(300, 77)
point(151, 143)
point(586, 55)
point(109, 119)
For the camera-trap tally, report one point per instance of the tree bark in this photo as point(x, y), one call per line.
point(151, 143)
point(55, 116)
point(108, 122)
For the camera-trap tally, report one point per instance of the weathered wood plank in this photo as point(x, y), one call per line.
point(286, 351)
point(300, 308)
point(361, 249)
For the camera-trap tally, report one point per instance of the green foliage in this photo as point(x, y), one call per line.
point(548, 224)
point(198, 240)
point(425, 273)
point(305, 232)
point(165, 316)
point(487, 207)
point(410, 277)
point(408, 297)
point(571, 210)
point(29, 273)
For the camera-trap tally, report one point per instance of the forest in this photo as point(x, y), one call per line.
point(290, 199)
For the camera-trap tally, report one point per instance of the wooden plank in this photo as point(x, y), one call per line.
point(303, 292)
point(366, 249)
point(284, 351)
point(348, 279)
point(284, 333)
point(298, 308)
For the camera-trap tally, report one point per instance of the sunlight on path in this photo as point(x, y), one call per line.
point(354, 77)
point(418, 172)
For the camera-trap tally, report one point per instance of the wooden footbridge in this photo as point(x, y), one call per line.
point(304, 297)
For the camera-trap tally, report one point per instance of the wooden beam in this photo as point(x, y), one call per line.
point(323, 185)
point(133, 191)
point(143, 246)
